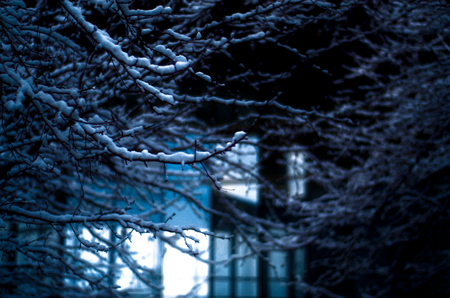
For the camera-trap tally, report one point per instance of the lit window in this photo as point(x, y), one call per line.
point(145, 252)
point(183, 274)
point(295, 171)
point(239, 180)
point(221, 283)
point(247, 271)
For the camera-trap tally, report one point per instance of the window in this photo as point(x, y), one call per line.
point(155, 260)
point(252, 277)
point(239, 278)
point(242, 184)
point(183, 274)
point(295, 171)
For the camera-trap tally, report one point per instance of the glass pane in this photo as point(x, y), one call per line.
point(222, 251)
point(222, 288)
point(300, 262)
point(145, 252)
point(247, 267)
point(277, 289)
point(241, 184)
point(183, 273)
point(278, 259)
point(246, 289)
point(295, 168)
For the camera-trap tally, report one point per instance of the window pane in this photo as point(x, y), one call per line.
point(240, 183)
point(247, 267)
point(145, 252)
point(300, 262)
point(278, 258)
point(277, 289)
point(222, 251)
point(295, 168)
point(183, 273)
point(246, 288)
point(222, 288)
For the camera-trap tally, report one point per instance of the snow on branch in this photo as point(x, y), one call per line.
point(113, 114)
